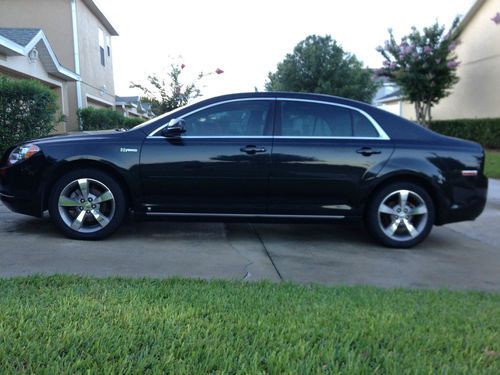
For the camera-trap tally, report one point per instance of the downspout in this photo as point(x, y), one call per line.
point(76, 52)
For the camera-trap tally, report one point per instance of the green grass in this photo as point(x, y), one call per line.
point(492, 166)
point(73, 325)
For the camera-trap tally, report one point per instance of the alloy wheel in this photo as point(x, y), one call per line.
point(402, 215)
point(86, 205)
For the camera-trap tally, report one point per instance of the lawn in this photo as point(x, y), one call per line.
point(492, 167)
point(73, 325)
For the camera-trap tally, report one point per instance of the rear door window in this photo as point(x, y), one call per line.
point(307, 119)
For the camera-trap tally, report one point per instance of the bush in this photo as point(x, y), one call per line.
point(102, 119)
point(130, 122)
point(27, 111)
point(484, 131)
point(99, 119)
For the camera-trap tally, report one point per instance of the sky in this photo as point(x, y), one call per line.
point(247, 39)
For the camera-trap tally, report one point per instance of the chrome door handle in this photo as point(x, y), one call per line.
point(367, 151)
point(252, 149)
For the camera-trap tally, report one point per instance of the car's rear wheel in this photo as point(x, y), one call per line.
point(400, 215)
point(87, 204)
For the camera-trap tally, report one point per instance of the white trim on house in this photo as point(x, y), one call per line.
point(76, 54)
point(100, 100)
point(7, 45)
point(46, 55)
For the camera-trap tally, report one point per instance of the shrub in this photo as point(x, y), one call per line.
point(99, 119)
point(102, 119)
point(130, 122)
point(27, 111)
point(484, 131)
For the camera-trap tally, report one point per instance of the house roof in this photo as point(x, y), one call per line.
point(396, 95)
point(20, 42)
point(100, 16)
point(127, 99)
point(20, 36)
point(469, 15)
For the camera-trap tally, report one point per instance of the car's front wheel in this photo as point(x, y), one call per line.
point(87, 204)
point(400, 215)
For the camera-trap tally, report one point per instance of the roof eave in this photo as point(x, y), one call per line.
point(47, 55)
point(390, 99)
point(468, 16)
point(101, 17)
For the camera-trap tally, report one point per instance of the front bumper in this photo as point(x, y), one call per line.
point(20, 187)
point(29, 207)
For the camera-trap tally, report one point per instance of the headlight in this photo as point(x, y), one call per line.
point(22, 153)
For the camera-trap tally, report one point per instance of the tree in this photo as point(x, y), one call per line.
point(319, 65)
point(168, 94)
point(423, 64)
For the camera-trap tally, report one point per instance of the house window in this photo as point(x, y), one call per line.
point(108, 45)
point(101, 47)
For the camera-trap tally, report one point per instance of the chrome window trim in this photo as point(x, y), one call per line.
point(152, 134)
point(220, 136)
point(319, 137)
point(382, 134)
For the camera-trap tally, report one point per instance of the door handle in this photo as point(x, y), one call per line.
point(252, 149)
point(367, 151)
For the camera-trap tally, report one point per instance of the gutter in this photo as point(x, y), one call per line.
point(76, 52)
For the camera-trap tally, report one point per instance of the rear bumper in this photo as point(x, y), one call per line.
point(468, 199)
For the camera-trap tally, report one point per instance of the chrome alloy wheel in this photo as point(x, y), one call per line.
point(86, 205)
point(402, 215)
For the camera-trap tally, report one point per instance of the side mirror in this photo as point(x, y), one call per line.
point(175, 128)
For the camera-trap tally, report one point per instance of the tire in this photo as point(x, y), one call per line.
point(396, 226)
point(87, 204)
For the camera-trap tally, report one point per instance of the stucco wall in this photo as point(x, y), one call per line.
point(53, 16)
point(408, 111)
point(403, 109)
point(477, 95)
point(94, 75)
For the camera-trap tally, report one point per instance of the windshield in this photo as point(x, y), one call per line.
point(190, 102)
point(158, 118)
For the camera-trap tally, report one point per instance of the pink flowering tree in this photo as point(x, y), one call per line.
point(423, 64)
point(168, 93)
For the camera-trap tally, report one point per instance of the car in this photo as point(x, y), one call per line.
point(273, 156)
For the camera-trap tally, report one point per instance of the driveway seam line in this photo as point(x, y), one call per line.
point(267, 251)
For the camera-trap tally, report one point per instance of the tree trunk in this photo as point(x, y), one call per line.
point(423, 113)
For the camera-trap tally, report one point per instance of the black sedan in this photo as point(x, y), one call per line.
point(256, 156)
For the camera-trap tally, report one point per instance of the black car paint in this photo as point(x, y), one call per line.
point(315, 177)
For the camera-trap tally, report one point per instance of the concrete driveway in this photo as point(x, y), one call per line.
point(458, 256)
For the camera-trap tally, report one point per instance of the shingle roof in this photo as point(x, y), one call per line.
point(396, 95)
point(127, 99)
point(19, 35)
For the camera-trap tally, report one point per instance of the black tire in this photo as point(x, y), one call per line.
point(410, 229)
point(98, 220)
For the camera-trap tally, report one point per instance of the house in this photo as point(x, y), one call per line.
point(389, 98)
point(132, 106)
point(65, 44)
point(28, 53)
point(394, 102)
point(477, 94)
